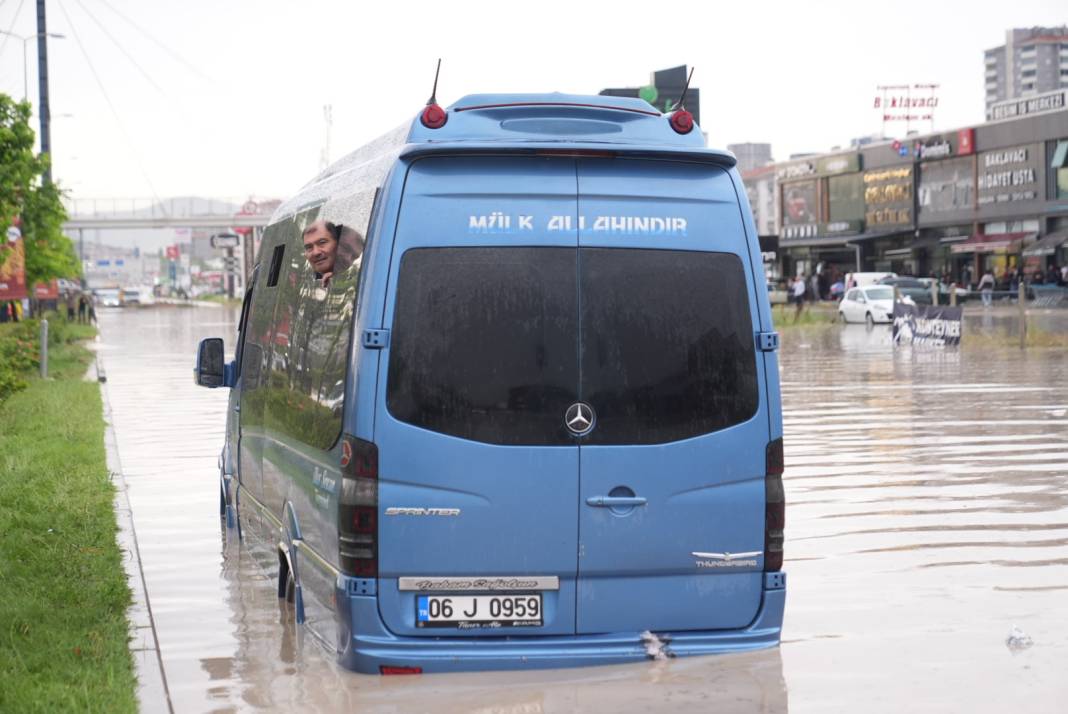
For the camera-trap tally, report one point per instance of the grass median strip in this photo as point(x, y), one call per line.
point(63, 592)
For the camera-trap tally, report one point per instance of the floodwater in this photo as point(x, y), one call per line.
point(927, 518)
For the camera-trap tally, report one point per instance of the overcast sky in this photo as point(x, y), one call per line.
point(225, 99)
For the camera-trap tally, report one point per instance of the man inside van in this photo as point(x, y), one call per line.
point(320, 248)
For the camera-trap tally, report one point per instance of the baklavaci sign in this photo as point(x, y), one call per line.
point(933, 325)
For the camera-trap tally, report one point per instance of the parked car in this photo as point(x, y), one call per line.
point(858, 280)
point(108, 297)
point(138, 296)
point(871, 304)
point(919, 289)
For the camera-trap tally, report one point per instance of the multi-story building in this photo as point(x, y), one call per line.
point(750, 155)
point(991, 196)
point(1032, 61)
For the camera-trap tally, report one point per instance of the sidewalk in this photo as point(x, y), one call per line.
point(152, 693)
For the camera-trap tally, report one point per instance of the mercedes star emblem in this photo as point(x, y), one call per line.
point(579, 418)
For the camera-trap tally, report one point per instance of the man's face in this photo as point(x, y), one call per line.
point(320, 248)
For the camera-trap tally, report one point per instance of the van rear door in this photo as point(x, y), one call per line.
point(478, 476)
point(671, 496)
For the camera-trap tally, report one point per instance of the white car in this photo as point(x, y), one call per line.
point(870, 304)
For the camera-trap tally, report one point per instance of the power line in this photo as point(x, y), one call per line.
point(158, 43)
point(14, 19)
point(121, 48)
point(114, 112)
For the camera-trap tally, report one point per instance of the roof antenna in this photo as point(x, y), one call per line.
point(434, 117)
point(434, 94)
point(682, 100)
point(681, 120)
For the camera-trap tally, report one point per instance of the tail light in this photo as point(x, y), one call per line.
point(357, 510)
point(774, 507)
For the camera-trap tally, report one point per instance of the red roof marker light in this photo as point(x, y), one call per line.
point(433, 117)
point(682, 122)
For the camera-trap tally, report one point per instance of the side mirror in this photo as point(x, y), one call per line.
point(211, 370)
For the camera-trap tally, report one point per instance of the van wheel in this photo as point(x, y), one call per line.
point(842, 318)
point(870, 320)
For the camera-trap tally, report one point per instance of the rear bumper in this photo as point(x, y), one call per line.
point(371, 645)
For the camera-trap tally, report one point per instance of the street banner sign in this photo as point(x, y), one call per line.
point(12, 269)
point(932, 325)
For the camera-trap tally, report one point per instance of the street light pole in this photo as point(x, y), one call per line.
point(25, 61)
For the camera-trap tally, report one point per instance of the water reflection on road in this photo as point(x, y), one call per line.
point(928, 515)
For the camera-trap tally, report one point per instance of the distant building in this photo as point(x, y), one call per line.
point(1032, 61)
point(750, 155)
point(663, 91)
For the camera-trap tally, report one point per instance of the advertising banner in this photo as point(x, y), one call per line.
point(846, 198)
point(932, 325)
point(46, 291)
point(888, 198)
point(12, 270)
point(946, 187)
point(1010, 176)
point(800, 209)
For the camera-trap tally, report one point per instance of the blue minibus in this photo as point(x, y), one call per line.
point(505, 395)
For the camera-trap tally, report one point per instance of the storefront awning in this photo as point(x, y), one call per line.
point(883, 234)
point(991, 243)
point(814, 241)
point(1047, 245)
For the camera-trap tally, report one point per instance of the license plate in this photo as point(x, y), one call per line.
point(470, 611)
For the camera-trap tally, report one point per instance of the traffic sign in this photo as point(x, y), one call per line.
point(225, 240)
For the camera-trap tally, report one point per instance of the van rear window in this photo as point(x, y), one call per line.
point(494, 344)
point(484, 343)
point(668, 347)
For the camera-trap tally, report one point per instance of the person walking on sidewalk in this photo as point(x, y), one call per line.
point(797, 295)
point(986, 288)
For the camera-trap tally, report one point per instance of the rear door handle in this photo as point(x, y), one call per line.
point(615, 501)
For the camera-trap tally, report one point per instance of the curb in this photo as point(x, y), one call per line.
point(153, 694)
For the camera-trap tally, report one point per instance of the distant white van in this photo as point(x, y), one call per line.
point(859, 280)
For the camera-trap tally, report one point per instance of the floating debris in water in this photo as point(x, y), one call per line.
point(655, 647)
point(1018, 640)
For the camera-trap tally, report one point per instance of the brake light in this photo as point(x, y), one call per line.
point(386, 669)
point(774, 507)
point(357, 509)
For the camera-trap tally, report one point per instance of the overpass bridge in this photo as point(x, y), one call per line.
point(187, 212)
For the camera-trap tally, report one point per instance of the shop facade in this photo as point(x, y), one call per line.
point(952, 204)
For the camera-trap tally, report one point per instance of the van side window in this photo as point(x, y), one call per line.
point(314, 320)
point(276, 265)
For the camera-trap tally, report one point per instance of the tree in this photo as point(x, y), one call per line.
point(37, 203)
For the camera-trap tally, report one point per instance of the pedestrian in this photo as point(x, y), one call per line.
point(986, 287)
point(72, 304)
point(92, 308)
point(83, 309)
point(797, 294)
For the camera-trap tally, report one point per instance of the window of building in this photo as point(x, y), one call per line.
point(1060, 165)
point(1028, 73)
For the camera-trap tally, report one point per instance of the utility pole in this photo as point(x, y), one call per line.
point(42, 79)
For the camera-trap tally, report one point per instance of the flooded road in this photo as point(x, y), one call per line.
point(927, 517)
